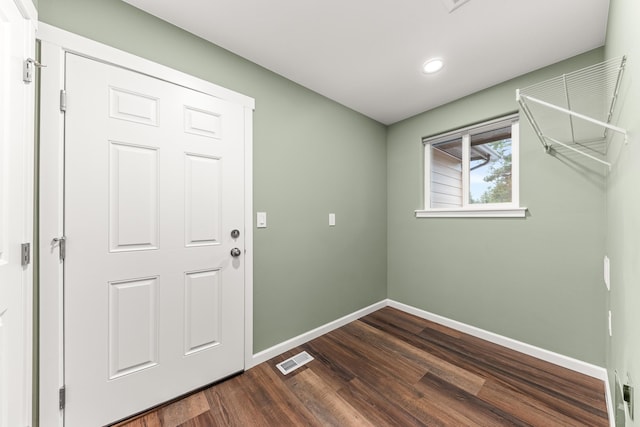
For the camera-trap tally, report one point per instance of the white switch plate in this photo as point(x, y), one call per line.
point(610, 328)
point(607, 273)
point(261, 219)
point(332, 219)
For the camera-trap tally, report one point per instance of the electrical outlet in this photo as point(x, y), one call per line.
point(627, 396)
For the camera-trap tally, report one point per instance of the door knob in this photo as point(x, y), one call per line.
point(235, 252)
point(235, 234)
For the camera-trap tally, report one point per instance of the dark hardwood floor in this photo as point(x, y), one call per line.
point(393, 369)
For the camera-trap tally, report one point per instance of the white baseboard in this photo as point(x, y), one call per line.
point(278, 349)
point(610, 409)
point(537, 352)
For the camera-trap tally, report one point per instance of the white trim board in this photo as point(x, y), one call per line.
point(70, 42)
point(18, 24)
point(248, 242)
point(294, 342)
point(519, 346)
point(610, 409)
point(54, 44)
point(28, 11)
point(537, 352)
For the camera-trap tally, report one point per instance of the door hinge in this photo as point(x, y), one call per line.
point(28, 69)
point(63, 100)
point(62, 246)
point(25, 254)
point(62, 397)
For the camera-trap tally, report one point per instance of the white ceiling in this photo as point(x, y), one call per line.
point(367, 54)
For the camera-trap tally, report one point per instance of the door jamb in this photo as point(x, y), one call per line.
point(55, 43)
point(24, 100)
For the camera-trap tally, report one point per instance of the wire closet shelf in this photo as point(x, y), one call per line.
point(574, 111)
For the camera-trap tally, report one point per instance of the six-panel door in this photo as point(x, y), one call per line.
point(154, 302)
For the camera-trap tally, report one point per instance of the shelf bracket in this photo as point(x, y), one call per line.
point(555, 141)
point(575, 114)
point(525, 109)
point(568, 93)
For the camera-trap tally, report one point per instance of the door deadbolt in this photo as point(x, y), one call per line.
point(235, 252)
point(235, 234)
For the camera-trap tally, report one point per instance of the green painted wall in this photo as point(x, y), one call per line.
point(623, 203)
point(312, 156)
point(537, 280)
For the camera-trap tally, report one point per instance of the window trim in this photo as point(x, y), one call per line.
point(467, 210)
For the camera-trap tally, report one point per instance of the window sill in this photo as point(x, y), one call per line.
point(472, 213)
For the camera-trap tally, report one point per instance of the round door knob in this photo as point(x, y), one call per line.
point(235, 234)
point(235, 252)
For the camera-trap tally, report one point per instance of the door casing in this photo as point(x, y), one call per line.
point(19, 17)
point(54, 44)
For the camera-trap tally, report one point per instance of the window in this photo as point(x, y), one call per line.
point(473, 171)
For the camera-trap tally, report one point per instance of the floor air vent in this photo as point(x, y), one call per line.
point(293, 363)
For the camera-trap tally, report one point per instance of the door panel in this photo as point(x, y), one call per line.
point(154, 302)
point(135, 107)
point(199, 122)
point(203, 179)
point(133, 326)
point(203, 301)
point(133, 197)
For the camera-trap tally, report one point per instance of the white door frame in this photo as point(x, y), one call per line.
point(54, 44)
point(18, 127)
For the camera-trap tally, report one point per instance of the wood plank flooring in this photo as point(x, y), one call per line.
point(394, 369)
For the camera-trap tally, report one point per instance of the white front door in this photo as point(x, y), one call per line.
point(17, 39)
point(154, 187)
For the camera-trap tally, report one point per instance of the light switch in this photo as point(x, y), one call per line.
point(261, 219)
point(607, 273)
point(332, 219)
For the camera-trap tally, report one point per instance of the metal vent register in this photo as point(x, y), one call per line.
point(293, 363)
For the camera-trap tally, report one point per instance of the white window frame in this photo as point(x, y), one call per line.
point(477, 210)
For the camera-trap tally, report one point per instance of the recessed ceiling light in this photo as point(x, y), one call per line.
point(432, 66)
